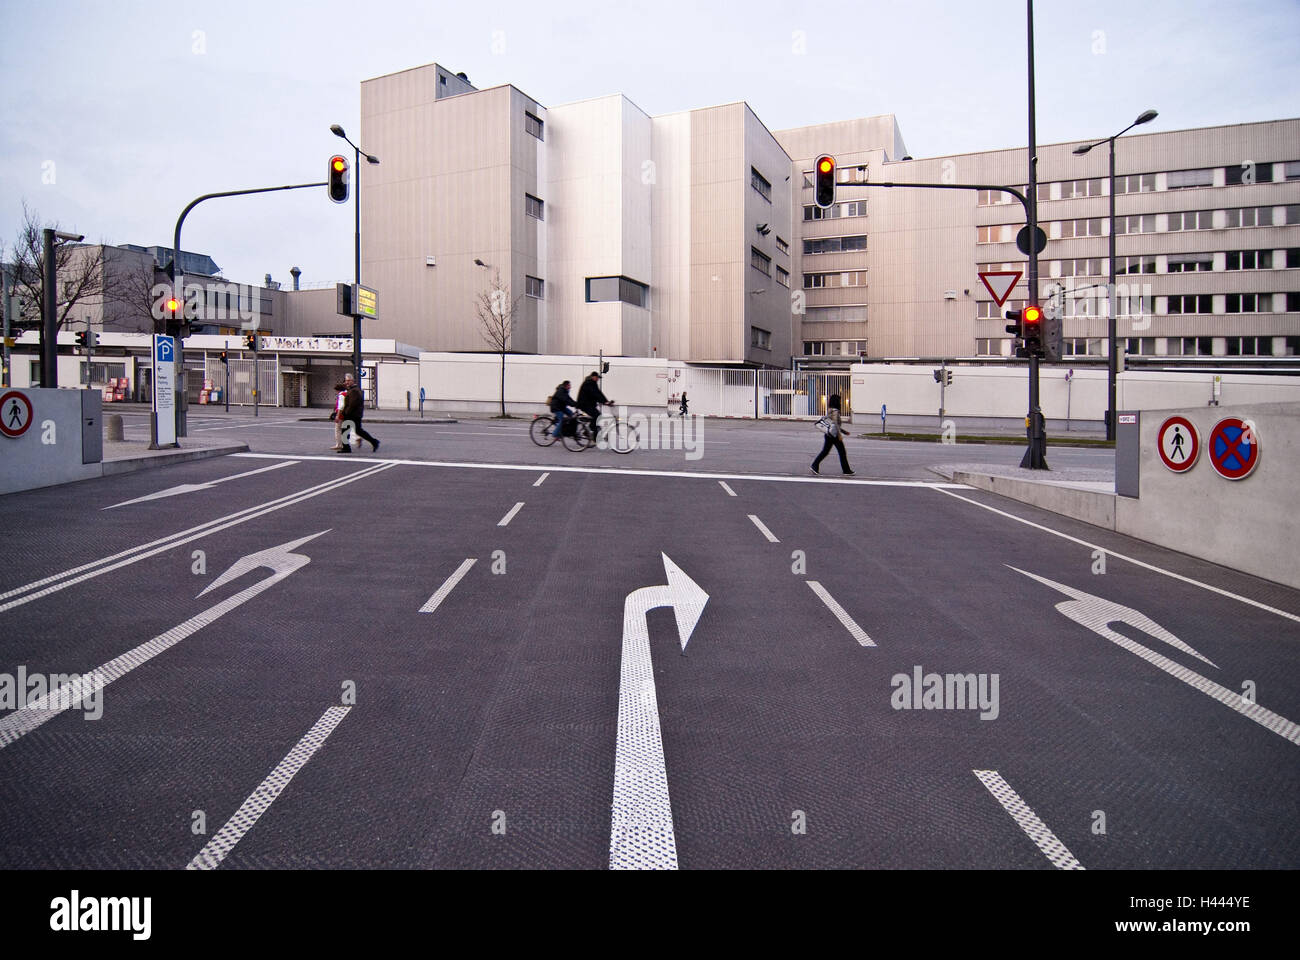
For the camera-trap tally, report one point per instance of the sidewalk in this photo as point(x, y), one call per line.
point(128, 456)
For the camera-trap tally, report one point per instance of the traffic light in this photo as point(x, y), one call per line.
point(81, 338)
point(250, 342)
point(225, 357)
point(1053, 333)
point(92, 338)
point(947, 375)
point(938, 376)
point(338, 179)
point(1032, 322)
point(824, 181)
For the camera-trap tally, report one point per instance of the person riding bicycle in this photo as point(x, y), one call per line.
point(562, 406)
point(589, 399)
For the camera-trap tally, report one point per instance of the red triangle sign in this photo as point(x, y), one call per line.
point(1000, 283)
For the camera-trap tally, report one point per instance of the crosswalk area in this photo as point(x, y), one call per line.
point(289, 661)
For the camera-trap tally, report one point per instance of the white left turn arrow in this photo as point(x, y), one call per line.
point(641, 824)
point(1098, 614)
point(281, 560)
point(193, 487)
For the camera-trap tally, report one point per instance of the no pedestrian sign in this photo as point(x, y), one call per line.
point(1179, 444)
point(15, 414)
point(1234, 448)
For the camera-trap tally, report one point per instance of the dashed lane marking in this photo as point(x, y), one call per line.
point(855, 631)
point(1029, 822)
point(505, 521)
point(730, 492)
point(763, 529)
point(541, 480)
point(448, 585)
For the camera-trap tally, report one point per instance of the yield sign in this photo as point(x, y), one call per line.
point(1000, 283)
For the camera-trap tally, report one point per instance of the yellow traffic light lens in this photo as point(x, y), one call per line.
point(339, 164)
point(1033, 314)
point(826, 166)
point(172, 304)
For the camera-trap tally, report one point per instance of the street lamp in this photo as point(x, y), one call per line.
point(356, 204)
point(1113, 359)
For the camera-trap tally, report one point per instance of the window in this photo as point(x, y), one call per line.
point(1126, 265)
point(835, 244)
point(533, 125)
point(1191, 303)
point(1249, 346)
point(759, 183)
point(1190, 262)
point(760, 261)
point(1250, 217)
point(1073, 189)
point(534, 207)
point(1248, 173)
point(1293, 257)
point(997, 233)
point(1082, 228)
point(782, 246)
point(1190, 346)
point(1191, 220)
point(1136, 223)
point(760, 338)
point(1293, 303)
point(535, 287)
point(1249, 260)
point(1144, 346)
point(853, 208)
point(1178, 179)
point(813, 348)
point(783, 276)
point(1292, 215)
point(845, 314)
point(614, 289)
point(851, 278)
point(1245, 302)
point(1135, 183)
point(993, 198)
point(992, 347)
point(1292, 170)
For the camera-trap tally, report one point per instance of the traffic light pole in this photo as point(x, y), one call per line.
point(174, 325)
point(1035, 457)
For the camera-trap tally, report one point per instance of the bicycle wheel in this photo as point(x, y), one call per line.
point(622, 437)
point(542, 431)
point(581, 437)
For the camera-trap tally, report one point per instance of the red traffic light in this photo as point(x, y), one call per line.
point(1033, 315)
point(339, 164)
point(173, 305)
point(824, 181)
point(337, 185)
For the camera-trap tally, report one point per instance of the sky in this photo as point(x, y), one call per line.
point(117, 114)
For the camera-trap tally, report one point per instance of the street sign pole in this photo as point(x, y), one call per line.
point(1035, 457)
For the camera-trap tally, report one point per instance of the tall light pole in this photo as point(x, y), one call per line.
point(356, 204)
point(1112, 361)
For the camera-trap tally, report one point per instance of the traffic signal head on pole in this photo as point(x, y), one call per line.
point(824, 181)
point(225, 357)
point(80, 337)
point(250, 342)
point(92, 338)
point(338, 179)
point(1033, 330)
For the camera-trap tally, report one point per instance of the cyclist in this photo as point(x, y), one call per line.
point(561, 406)
point(589, 399)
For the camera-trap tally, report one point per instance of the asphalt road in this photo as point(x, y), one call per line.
point(305, 712)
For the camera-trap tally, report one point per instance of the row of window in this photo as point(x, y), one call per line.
point(760, 338)
point(1233, 175)
point(856, 173)
point(835, 244)
point(763, 264)
point(1149, 347)
point(855, 313)
point(834, 348)
point(1178, 222)
point(844, 278)
point(1137, 306)
point(1147, 263)
point(851, 208)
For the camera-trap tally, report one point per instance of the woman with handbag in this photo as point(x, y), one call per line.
point(831, 425)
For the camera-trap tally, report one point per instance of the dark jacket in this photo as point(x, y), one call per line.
point(589, 395)
point(561, 400)
point(354, 404)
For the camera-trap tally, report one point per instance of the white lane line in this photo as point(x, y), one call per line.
point(688, 474)
point(1120, 556)
point(87, 571)
point(253, 422)
point(766, 532)
point(855, 631)
point(541, 480)
point(730, 492)
point(69, 695)
point(260, 800)
point(448, 585)
point(1037, 831)
point(511, 515)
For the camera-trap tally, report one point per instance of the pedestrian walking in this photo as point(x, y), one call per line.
point(834, 437)
point(353, 409)
point(683, 411)
point(340, 401)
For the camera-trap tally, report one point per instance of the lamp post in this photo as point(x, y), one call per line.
point(356, 204)
point(1112, 360)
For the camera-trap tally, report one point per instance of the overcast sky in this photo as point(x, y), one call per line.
point(117, 114)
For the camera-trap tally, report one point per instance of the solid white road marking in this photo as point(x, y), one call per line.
point(730, 492)
point(641, 822)
point(688, 474)
point(1120, 556)
point(855, 631)
point(260, 800)
point(1097, 614)
point(192, 487)
point(511, 515)
point(448, 585)
point(766, 532)
point(87, 571)
point(541, 480)
point(252, 422)
point(282, 561)
point(1036, 830)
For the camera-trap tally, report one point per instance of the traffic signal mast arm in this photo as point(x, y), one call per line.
point(1024, 202)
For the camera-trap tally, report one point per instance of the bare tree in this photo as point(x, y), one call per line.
point(79, 269)
point(136, 289)
point(496, 315)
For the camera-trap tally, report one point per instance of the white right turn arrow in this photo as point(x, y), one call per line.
point(641, 825)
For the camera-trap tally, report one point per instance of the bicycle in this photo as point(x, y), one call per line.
point(577, 434)
point(620, 435)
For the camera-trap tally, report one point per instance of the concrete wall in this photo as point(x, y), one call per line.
point(1250, 525)
point(1002, 392)
point(50, 451)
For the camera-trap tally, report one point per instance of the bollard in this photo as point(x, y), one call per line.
point(113, 428)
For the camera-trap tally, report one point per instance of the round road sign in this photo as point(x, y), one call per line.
point(15, 414)
point(1234, 448)
point(1178, 443)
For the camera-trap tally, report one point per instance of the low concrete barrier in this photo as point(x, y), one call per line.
point(49, 436)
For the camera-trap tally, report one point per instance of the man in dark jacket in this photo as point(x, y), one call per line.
point(353, 407)
point(589, 398)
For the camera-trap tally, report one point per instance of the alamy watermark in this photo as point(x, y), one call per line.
point(640, 431)
point(212, 301)
point(946, 691)
point(54, 691)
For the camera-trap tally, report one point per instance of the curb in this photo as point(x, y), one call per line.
point(373, 420)
point(133, 464)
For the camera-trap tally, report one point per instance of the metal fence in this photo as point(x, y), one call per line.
point(241, 380)
point(740, 392)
